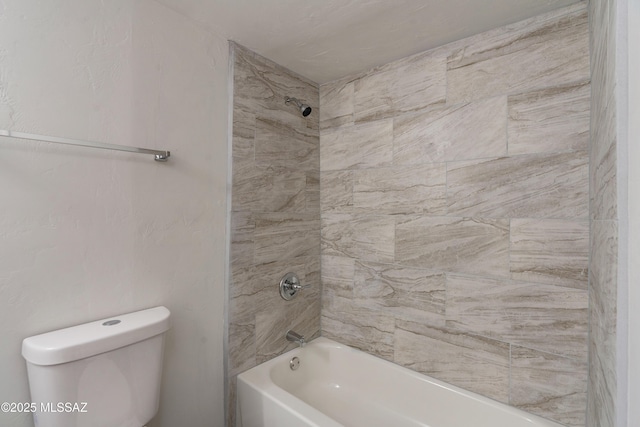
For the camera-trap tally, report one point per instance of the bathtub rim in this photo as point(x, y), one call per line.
point(259, 379)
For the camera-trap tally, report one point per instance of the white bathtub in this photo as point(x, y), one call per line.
point(336, 385)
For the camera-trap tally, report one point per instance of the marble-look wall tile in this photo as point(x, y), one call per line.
point(603, 178)
point(242, 345)
point(470, 245)
point(407, 293)
point(419, 189)
point(271, 327)
point(471, 362)
point(552, 251)
point(603, 289)
point(359, 326)
point(543, 317)
point(603, 321)
point(536, 186)
point(337, 103)
point(541, 52)
point(447, 274)
point(275, 213)
point(409, 84)
point(465, 131)
point(281, 145)
point(281, 236)
point(360, 236)
point(359, 146)
point(337, 276)
point(548, 385)
point(550, 120)
point(336, 190)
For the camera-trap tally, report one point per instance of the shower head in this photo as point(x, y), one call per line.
point(304, 108)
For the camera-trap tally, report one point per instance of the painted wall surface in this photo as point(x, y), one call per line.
point(275, 218)
point(604, 217)
point(455, 213)
point(86, 234)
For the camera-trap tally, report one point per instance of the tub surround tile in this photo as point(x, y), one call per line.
point(550, 251)
point(465, 131)
point(604, 196)
point(275, 213)
point(477, 277)
point(409, 84)
point(420, 189)
point(242, 345)
point(337, 103)
point(548, 50)
point(549, 386)
point(337, 276)
point(406, 293)
point(550, 120)
point(453, 244)
point(281, 236)
point(336, 190)
point(543, 317)
point(358, 326)
point(471, 362)
point(281, 145)
point(360, 146)
point(603, 321)
point(546, 185)
point(271, 326)
point(360, 236)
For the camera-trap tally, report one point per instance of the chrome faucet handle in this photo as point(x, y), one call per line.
point(290, 285)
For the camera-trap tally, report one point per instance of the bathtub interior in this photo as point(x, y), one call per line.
point(357, 389)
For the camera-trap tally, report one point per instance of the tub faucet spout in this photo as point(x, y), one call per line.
point(293, 336)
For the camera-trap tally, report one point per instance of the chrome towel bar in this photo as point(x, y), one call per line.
point(160, 155)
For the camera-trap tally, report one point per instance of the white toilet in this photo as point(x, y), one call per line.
point(100, 374)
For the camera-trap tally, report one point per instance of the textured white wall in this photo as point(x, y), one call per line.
point(86, 234)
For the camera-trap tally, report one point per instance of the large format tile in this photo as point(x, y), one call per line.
point(417, 189)
point(471, 362)
point(409, 84)
point(358, 146)
point(469, 245)
point(544, 317)
point(550, 120)
point(242, 344)
point(531, 186)
point(405, 292)
point(603, 378)
point(336, 190)
point(281, 236)
point(360, 236)
point(550, 386)
point(337, 276)
point(286, 146)
point(465, 131)
point(552, 251)
point(336, 103)
point(358, 326)
point(548, 50)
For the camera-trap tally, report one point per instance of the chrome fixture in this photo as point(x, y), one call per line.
point(290, 285)
point(159, 155)
point(294, 363)
point(304, 108)
point(293, 336)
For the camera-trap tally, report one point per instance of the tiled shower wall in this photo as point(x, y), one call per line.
point(604, 218)
point(275, 218)
point(455, 213)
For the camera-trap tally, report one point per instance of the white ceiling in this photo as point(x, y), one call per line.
point(324, 40)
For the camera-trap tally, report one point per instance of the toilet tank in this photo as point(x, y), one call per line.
point(100, 374)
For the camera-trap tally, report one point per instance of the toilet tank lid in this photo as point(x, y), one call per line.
point(89, 339)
